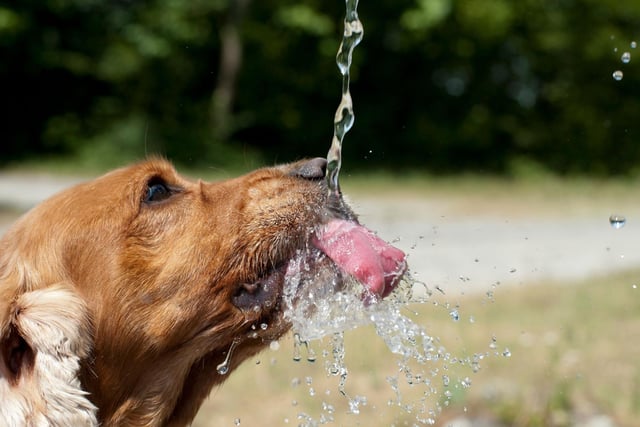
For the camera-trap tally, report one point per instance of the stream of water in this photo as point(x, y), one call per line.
point(315, 316)
point(344, 117)
point(328, 310)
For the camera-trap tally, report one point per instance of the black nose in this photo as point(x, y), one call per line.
point(311, 169)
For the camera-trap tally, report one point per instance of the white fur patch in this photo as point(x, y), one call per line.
point(54, 323)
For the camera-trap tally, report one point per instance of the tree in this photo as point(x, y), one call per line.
point(443, 85)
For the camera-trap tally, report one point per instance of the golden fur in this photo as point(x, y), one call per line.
point(120, 296)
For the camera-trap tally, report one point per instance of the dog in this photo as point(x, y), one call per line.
point(120, 297)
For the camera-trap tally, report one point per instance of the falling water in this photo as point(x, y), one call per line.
point(223, 368)
point(318, 309)
point(617, 221)
point(322, 310)
point(353, 32)
point(297, 344)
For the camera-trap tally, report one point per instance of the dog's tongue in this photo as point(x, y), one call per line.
point(373, 262)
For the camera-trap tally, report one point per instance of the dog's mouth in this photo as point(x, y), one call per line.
point(263, 293)
point(336, 250)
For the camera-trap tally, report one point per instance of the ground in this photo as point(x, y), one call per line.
point(540, 279)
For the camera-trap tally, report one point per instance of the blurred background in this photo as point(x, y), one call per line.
point(444, 86)
point(497, 142)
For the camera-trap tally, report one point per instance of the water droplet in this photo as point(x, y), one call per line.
point(618, 75)
point(223, 368)
point(274, 346)
point(513, 270)
point(445, 380)
point(311, 355)
point(617, 221)
point(493, 344)
point(264, 326)
point(506, 352)
point(454, 315)
point(634, 286)
point(296, 353)
point(626, 57)
point(236, 422)
point(354, 404)
point(634, 45)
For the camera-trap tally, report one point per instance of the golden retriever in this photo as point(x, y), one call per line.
point(119, 297)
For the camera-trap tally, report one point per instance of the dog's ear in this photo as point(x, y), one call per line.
point(44, 336)
point(52, 321)
point(16, 355)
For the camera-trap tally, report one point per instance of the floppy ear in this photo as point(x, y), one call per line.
point(44, 335)
point(15, 354)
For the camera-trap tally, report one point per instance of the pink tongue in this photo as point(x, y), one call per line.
point(365, 256)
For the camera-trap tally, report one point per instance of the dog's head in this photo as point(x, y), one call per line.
point(142, 282)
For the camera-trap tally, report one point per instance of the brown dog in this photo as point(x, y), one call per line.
point(120, 297)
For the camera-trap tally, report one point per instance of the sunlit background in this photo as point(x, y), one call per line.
point(494, 140)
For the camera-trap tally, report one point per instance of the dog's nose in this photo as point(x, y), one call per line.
point(311, 169)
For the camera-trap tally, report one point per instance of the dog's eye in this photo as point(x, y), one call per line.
point(157, 191)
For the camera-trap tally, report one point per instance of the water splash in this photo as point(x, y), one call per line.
point(338, 368)
point(324, 309)
point(420, 357)
point(344, 117)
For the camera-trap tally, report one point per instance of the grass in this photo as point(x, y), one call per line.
point(551, 353)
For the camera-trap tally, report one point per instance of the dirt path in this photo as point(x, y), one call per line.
point(469, 252)
point(458, 250)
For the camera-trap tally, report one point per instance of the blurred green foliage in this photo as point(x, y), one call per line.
point(438, 85)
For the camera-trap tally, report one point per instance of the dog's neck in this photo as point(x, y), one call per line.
point(173, 392)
